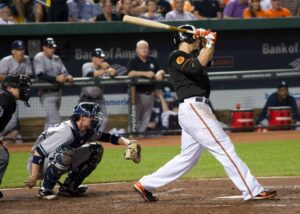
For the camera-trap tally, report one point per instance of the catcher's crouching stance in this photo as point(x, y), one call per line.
point(71, 147)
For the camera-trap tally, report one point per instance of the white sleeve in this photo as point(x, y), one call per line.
point(4, 66)
point(28, 71)
point(86, 69)
point(38, 64)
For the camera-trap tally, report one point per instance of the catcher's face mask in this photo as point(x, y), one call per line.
point(91, 110)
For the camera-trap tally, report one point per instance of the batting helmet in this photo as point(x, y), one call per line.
point(21, 82)
point(184, 37)
point(98, 52)
point(49, 42)
point(89, 109)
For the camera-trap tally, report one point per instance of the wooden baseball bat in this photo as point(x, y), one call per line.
point(153, 24)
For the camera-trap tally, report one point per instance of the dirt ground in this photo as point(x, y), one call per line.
point(182, 196)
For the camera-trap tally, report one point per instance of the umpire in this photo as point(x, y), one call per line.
point(50, 68)
point(13, 88)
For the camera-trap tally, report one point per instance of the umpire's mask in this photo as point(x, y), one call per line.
point(21, 82)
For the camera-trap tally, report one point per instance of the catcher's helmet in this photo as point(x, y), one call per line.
point(89, 109)
point(184, 37)
point(21, 82)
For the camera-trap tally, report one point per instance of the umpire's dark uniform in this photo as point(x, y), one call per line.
point(7, 108)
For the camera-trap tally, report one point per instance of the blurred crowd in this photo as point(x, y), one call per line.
point(24, 11)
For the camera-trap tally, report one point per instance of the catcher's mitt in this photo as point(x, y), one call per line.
point(133, 152)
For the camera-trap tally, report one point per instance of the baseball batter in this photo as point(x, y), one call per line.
point(200, 128)
point(98, 67)
point(49, 67)
point(72, 147)
point(13, 88)
point(15, 64)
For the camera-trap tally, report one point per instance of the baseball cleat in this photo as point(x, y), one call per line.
point(144, 193)
point(65, 191)
point(266, 194)
point(46, 194)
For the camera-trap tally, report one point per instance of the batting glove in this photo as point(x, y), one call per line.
point(199, 33)
point(211, 39)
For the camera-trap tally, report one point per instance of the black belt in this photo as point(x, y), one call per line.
point(196, 99)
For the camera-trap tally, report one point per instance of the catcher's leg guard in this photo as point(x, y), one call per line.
point(58, 165)
point(84, 169)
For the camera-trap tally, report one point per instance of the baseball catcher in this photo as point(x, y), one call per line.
point(72, 147)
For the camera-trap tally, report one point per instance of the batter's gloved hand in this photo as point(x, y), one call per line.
point(211, 39)
point(133, 152)
point(200, 33)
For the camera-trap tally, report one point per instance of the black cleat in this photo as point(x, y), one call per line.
point(65, 191)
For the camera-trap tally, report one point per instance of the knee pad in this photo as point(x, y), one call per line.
point(96, 152)
point(62, 157)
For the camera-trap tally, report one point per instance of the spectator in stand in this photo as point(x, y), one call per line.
point(146, 66)
point(204, 9)
point(58, 11)
point(277, 11)
point(279, 98)
point(151, 13)
point(124, 7)
point(265, 4)
point(5, 15)
point(187, 6)
point(24, 10)
point(163, 7)
point(235, 9)
point(178, 13)
point(108, 15)
point(82, 10)
point(131, 7)
point(254, 10)
point(292, 5)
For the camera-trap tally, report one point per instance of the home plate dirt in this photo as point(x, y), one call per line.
point(183, 196)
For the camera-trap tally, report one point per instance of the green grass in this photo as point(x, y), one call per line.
point(263, 159)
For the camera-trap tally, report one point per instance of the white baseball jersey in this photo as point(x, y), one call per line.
point(9, 66)
point(93, 92)
point(52, 67)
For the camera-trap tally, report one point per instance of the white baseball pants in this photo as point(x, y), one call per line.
point(201, 130)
